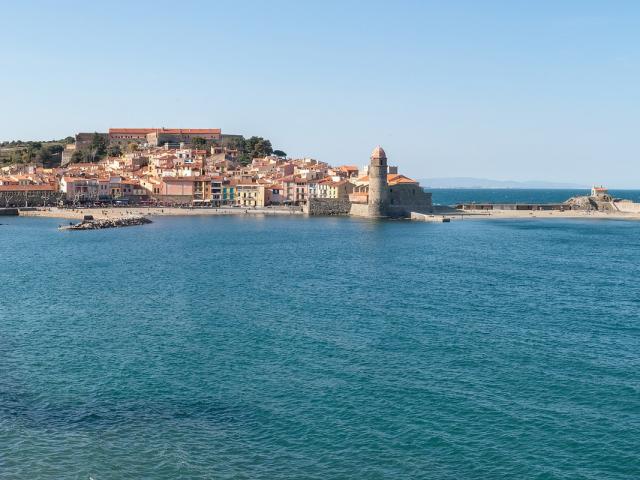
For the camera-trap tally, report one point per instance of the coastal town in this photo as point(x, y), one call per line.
point(184, 168)
point(161, 171)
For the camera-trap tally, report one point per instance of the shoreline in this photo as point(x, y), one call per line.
point(437, 216)
point(542, 214)
point(103, 213)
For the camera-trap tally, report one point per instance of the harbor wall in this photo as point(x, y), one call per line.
point(13, 212)
point(359, 210)
point(327, 206)
point(513, 206)
point(404, 199)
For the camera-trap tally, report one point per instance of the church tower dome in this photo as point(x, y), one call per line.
point(378, 153)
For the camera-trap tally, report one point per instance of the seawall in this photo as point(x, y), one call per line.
point(327, 206)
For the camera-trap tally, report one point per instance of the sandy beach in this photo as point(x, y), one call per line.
point(546, 214)
point(120, 212)
point(527, 214)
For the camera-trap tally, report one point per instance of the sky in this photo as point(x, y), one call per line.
point(508, 90)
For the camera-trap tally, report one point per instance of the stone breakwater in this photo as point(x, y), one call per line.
point(107, 223)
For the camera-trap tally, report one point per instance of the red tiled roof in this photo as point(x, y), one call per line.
point(28, 188)
point(392, 179)
point(130, 131)
point(188, 131)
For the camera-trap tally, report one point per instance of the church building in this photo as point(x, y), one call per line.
point(381, 194)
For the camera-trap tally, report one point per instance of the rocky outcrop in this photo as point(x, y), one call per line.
point(589, 203)
point(107, 223)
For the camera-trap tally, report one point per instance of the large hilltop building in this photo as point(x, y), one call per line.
point(154, 137)
point(160, 136)
point(382, 194)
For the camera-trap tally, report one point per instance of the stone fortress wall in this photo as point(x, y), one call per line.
point(404, 199)
point(327, 206)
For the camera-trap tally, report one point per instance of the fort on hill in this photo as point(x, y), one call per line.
point(154, 137)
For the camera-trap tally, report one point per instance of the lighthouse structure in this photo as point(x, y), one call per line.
point(378, 187)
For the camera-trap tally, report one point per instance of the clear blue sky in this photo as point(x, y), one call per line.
point(509, 89)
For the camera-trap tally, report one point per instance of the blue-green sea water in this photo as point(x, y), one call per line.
point(272, 348)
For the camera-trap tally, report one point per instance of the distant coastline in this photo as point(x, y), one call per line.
point(484, 183)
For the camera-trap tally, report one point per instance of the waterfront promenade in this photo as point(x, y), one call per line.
point(119, 212)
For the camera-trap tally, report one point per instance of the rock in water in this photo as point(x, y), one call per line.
point(107, 223)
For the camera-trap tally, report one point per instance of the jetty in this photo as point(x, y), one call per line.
point(90, 224)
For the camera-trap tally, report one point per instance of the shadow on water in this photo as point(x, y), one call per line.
point(28, 411)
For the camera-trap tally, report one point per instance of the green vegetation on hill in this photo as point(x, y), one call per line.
point(49, 152)
point(250, 148)
point(46, 152)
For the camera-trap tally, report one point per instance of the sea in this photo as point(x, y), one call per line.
point(321, 348)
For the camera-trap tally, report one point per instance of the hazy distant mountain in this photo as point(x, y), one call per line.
point(469, 182)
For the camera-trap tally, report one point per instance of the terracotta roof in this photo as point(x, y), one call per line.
point(392, 179)
point(28, 188)
point(130, 131)
point(188, 131)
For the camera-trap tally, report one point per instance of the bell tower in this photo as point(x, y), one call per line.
point(378, 187)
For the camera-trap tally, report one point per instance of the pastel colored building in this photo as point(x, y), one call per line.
point(227, 193)
point(250, 195)
point(80, 189)
point(274, 195)
point(338, 190)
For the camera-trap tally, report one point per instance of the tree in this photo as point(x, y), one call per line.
point(237, 143)
point(132, 147)
point(78, 157)
point(114, 150)
point(198, 143)
point(44, 155)
point(69, 140)
point(31, 151)
point(98, 147)
point(279, 153)
point(258, 147)
point(244, 159)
